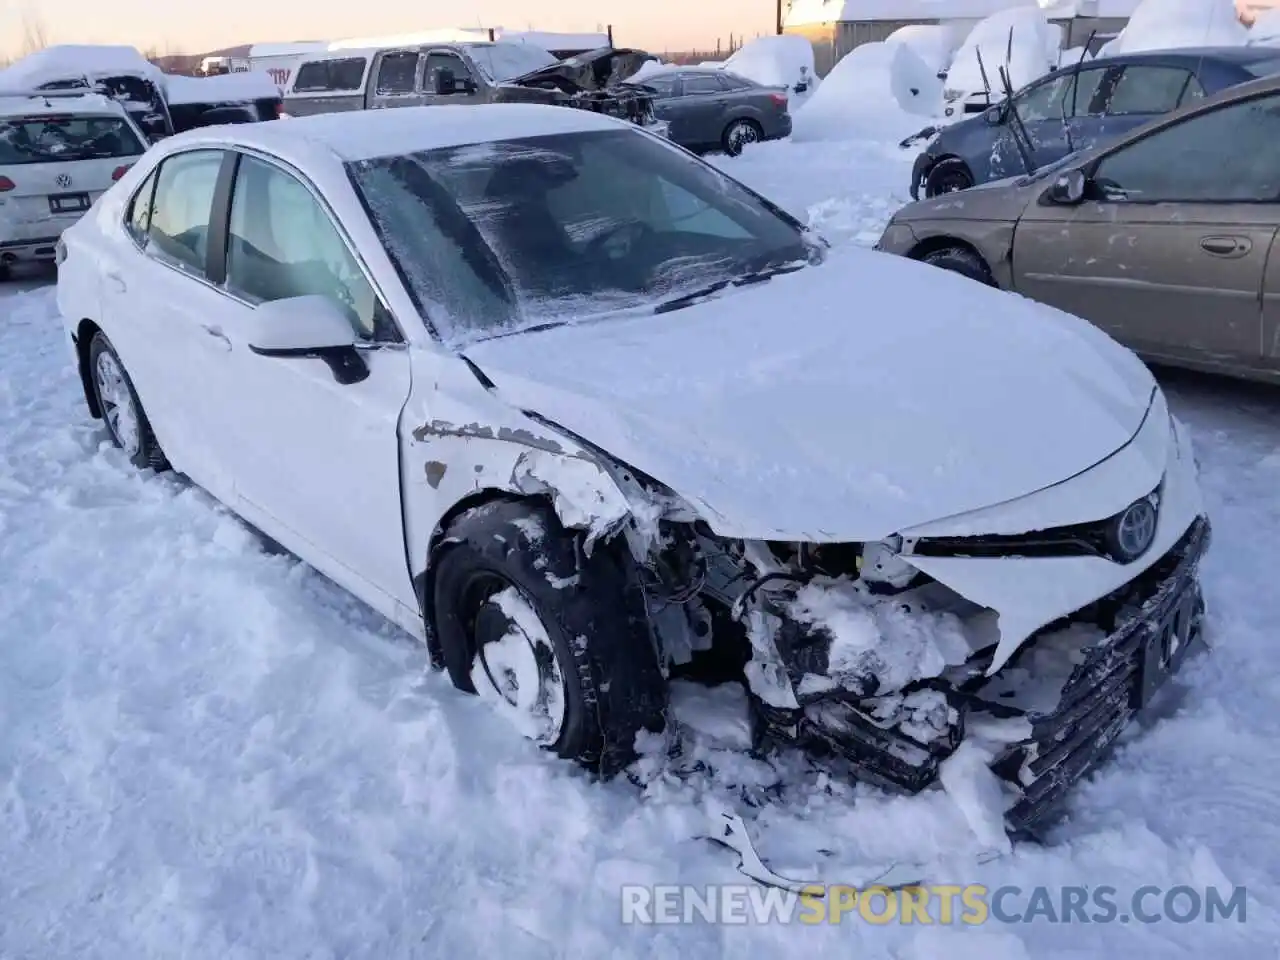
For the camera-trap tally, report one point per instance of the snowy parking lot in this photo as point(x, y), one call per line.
point(206, 750)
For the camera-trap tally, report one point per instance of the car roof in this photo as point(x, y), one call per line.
point(1241, 55)
point(59, 103)
point(366, 134)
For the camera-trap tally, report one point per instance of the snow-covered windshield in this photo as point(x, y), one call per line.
point(47, 139)
point(495, 237)
point(506, 61)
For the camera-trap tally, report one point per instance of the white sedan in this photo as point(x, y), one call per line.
point(584, 413)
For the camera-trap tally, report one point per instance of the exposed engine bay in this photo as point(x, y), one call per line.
point(848, 649)
point(591, 81)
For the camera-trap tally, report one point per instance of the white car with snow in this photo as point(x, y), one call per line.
point(581, 439)
point(58, 154)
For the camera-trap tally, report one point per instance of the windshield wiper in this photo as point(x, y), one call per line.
point(711, 289)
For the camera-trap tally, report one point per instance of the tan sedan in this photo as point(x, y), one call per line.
point(1165, 238)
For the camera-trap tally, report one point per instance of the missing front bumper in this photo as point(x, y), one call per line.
point(1154, 622)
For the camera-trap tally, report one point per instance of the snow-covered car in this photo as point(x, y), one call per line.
point(59, 153)
point(582, 439)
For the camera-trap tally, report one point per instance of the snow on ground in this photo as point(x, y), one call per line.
point(207, 751)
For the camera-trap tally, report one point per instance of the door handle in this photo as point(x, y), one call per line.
point(1226, 246)
point(117, 282)
point(217, 334)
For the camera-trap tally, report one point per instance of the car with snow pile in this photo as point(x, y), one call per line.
point(711, 109)
point(559, 432)
point(463, 73)
point(160, 104)
point(1165, 238)
point(59, 153)
point(1077, 108)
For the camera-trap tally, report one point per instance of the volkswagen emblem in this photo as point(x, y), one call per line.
point(1133, 530)
point(64, 180)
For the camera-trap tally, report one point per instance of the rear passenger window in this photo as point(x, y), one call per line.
point(178, 231)
point(283, 244)
point(331, 76)
point(705, 84)
point(397, 73)
point(1147, 90)
point(1085, 92)
point(138, 221)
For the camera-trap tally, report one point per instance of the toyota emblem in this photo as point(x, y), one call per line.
point(64, 180)
point(1133, 530)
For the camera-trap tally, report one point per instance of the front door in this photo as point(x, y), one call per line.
point(1168, 252)
point(318, 457)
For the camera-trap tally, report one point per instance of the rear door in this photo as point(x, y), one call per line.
point(1132, 95)
point(1169, 252)
point(396, 79)
point(54, 166)
point(162, 311)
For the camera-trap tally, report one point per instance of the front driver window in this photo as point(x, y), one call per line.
point(1231, 154)
point(282, 244)
point(445, 65)
point(178, 232)
point(1045, 102)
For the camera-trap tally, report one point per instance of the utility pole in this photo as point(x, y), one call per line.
point(778, 23)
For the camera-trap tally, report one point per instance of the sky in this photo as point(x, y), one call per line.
point(195, 26)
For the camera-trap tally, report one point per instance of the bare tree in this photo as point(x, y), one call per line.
point(35, 35)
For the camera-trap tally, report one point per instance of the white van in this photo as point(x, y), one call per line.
point(59, 152)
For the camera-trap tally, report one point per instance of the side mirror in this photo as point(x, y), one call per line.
point(1069, 188)
point(994, 116)
point(446, 83)
point(307, 326)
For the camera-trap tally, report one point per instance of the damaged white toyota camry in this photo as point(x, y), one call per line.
point(585, 413)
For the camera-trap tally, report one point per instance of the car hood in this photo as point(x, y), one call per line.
point(843, 402)
point(997, 200)
point(594, 70)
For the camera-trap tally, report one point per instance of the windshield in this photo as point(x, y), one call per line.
point(506, 61)
point(48, 139)
point(494, 237)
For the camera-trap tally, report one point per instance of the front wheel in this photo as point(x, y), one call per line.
point(555, 642)
point(948, 176)
point(127, 423)
point(963, 261)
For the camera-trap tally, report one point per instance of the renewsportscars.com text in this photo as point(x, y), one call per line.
point(944, 904)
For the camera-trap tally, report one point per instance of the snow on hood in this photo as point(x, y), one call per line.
point(844, 402)
point(227, 87)
point(1171, 24)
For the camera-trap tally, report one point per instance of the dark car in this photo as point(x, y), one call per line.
point(712, 109)
point(1076, 108)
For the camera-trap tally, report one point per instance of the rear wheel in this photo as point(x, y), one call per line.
point(5, 272)
point(738, 134)
point(947, 176)
point(127, 423)
point(555, 642)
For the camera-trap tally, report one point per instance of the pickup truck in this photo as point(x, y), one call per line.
point(470, 73)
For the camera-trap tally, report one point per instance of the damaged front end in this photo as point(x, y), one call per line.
point(593, 81)
point(851, 651)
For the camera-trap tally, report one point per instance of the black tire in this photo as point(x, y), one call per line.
point(146, 452)
point(962, 261)
point(738, 134)
point(591, 611)
point(6, 272)
point(947, 176)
